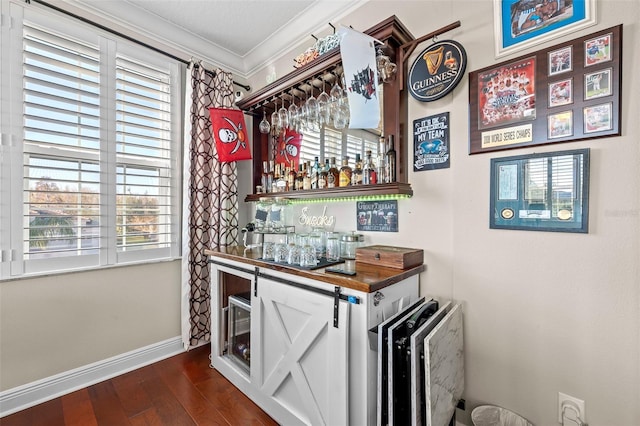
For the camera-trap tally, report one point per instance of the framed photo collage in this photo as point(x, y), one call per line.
point(565, 93)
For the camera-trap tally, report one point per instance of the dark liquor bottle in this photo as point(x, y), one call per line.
point(345, 172)
point(356, 174)
point(333, 176)
point(300, 178)
point(369, 175)
point(390, 160)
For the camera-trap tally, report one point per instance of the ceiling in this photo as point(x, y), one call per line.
point(241, 36)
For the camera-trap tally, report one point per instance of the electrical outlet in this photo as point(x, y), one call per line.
point(567, 400)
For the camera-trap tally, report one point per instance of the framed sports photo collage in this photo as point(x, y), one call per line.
point(564, 93)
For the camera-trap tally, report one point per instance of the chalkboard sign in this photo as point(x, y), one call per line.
point(381, 216)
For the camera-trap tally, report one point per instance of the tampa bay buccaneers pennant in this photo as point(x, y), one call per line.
point(229, 132)
point(289, 149)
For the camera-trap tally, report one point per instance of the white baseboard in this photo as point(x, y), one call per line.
point(25, 396)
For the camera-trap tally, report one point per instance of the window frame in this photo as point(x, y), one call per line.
point(12, 155)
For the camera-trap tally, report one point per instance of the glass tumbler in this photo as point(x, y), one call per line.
point(333, 249)
point(268, 250)
point(280, 252)
point(308, 257)
point(293, 256)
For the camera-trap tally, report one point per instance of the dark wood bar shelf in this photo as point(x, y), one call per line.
point(360, 191)
point(393, 34)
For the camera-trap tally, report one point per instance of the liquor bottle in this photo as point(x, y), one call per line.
point(272, 168)
point(369, 175)
point(267, 177)
point(345, 172)
point(315, 172)
point(391, 161)
point(382, 169)
point(324, 173)
point(306, 182)
point(356, 174)
point(281, 181)
point(300, 178)
point(333, 176)
point(291, 177)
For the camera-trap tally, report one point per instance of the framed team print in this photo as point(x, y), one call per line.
point(560, 60)
point(558, 94)
point(597, 50)
point(520, 24)
point(597, 84)
point(560, 125)
point(597, 118)
point(561, 93)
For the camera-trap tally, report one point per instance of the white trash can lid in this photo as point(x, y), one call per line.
point(491, 415)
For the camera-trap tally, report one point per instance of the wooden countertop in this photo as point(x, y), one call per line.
point(368, 278)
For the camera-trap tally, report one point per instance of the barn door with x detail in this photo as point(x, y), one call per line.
point(302, 362)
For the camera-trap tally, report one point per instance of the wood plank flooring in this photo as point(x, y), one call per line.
point(181, 390)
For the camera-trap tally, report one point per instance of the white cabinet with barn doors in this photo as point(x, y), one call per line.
point(298, 343)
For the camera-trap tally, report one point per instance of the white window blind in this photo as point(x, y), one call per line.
point(143, 146)
point(94, 170)
point(61, 89)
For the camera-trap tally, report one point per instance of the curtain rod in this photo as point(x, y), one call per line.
point(119, 34)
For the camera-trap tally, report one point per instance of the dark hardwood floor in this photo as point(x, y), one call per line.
point(181, 390)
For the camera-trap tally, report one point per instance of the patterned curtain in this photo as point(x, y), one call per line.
point(210, 210)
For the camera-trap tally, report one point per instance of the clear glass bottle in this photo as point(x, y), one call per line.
point(345, 172)
point(382, 169)
point(267, 179)
point(306, 182)
point(356, 174)
point(369, 174)
point(281, 180)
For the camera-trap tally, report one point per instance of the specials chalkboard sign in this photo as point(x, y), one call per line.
point(437, 70)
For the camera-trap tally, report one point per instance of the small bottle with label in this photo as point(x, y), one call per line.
point(306, 182)
point(324, 173)
point(369, 175)
point(356, 174)
point(315, 172)
point(291, 177)
point(345, 172)
point(333, 176)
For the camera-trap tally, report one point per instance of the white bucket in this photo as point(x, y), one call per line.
point(490, 415)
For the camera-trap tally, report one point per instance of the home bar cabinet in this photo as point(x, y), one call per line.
point(324, 70)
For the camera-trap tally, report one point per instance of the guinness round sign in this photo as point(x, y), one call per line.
point(437, 70)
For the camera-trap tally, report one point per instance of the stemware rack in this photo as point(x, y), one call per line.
point(325, 69)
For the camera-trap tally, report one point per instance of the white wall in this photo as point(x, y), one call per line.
point(544, 312)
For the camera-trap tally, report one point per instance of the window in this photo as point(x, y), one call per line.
point(329, 142)
point(96, 120)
